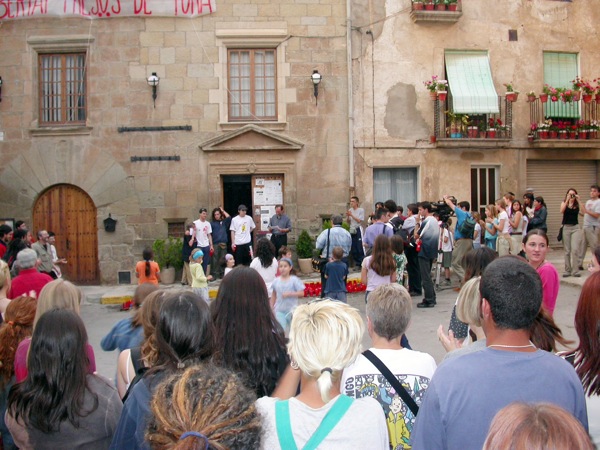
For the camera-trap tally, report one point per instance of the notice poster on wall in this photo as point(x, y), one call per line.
point(267, 191)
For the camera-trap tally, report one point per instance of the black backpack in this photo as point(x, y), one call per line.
point(467, 227)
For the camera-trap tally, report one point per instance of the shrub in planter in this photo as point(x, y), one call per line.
point(304, 245)
point(167, 253)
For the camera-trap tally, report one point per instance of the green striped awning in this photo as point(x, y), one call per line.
point(560, 69)
point(470, 82)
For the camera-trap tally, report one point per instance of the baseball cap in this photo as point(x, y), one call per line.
point(242, 208)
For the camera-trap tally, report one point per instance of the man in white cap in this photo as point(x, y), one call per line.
point(241, 236)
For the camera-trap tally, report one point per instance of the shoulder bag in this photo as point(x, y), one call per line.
point(318, 263)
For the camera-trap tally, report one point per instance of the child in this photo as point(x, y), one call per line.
point(147, 270)
point(199, 280)
point(398, 248)
point(336, 274)
point(229, 263)
point(285, 252)
point(286, 290)
point(447, 246)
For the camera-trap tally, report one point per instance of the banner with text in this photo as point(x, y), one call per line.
point(96, 9)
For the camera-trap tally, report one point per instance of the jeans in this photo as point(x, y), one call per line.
point(216, 269)
point(356, 250)
point(571, 238)
point(279, 240)
point(242, 254)
point(412, 268)
point(340, 296)
point(284, 318)
point(205, 258)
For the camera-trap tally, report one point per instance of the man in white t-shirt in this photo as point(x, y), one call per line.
point(203, 235)
point(241, 237)
point(388, 315)
point(591, 223)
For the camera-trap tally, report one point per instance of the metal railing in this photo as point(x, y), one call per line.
point(545, 124)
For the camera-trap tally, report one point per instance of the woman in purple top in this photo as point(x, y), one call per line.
point(380, 267)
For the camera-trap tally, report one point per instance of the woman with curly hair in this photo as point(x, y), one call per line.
point(18, 326)
point(252, 345)
point(380, 267)
point(265, 263)
point(60, 404)
point(184, 337)
point(204, 407)
point(136, 360)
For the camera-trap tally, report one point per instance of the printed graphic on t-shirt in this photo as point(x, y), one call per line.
point(400, 420)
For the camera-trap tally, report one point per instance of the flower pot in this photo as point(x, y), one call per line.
point(305, 265)
point(562, 134)
point(491, 134)
point(543, 134)
point(441, 7)
point(432, 139)
point(442, 95)
point(472, 132)
point(576, 96)
point(512, 96)
point(452, 7)
point(417, 6)
point(429, 6)
point(531, 98)
point(543, 98)
point(587, 98)
point(553, 134)
point(597, 98)
point(572, 134)
point(167, 275)
point(583, 134)
point(455, 134)
point(530, 138)
point(433, 95)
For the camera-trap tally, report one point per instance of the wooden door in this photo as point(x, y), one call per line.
point(71, 214)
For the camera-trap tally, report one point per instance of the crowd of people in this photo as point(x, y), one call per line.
point(255, 368)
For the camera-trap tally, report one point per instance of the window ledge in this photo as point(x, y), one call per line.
point(566, 143)
point(435, 16)
point(82, 130)
point(277, 126)
point(473, 143)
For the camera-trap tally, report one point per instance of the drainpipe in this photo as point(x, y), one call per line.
point(350, 106)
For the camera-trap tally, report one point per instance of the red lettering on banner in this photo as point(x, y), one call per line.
point(37, 4)
point(143, 4)
point(192, 7)
point(5, 10)
point(77, 8)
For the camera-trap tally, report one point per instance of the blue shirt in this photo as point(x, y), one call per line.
point(278, 222)
point(466, 393)
point(337, 238)
point(375, 230)
point(219, 230)
point(336, 273)
point(460, 218)
point(122, 336)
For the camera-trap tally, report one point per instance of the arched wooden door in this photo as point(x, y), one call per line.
point(71, 214)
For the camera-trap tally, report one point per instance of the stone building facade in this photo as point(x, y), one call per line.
point(151, 165)
point(396, 49)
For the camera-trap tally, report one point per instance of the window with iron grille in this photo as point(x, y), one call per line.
point(252, 84)
point(176, 229)
point(62, 89)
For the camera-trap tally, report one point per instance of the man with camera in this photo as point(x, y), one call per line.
point(463, 234)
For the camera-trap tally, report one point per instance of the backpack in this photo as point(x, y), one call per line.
point(467, 227)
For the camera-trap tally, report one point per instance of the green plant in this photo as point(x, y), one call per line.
point(327, 225)
point(167, 252)
point(304, 245)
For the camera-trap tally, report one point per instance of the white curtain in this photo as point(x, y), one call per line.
point(398, 184)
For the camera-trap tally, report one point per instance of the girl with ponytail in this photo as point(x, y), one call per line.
point(147, 271)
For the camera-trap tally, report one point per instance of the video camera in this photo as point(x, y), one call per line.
point(442, 209)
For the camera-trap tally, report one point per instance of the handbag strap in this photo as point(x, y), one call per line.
point(331, 419)
point(400, 390)
point(327, 245)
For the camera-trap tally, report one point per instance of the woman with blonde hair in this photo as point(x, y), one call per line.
point(504, 241)
point(325, 338)
point(58, 294)
point(204, 407)
point(489, 225)
point(4, 286)
point(541, 426)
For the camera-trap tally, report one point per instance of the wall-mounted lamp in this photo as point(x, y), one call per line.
point(0, 89)
point(316, 78)
point(153, 81)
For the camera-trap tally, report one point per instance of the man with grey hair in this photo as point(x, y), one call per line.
point(388, 315)
point(336, 236)
point(42, 248)
point(29, 281)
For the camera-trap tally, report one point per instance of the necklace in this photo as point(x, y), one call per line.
point(531, 344)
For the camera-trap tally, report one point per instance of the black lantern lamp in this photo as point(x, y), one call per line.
point(316, 78)
point(153, 81)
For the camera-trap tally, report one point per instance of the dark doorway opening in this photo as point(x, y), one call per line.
point(237, 190)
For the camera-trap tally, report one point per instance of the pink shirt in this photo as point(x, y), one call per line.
point(550, 285)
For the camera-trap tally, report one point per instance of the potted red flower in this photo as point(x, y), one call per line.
point(511, 94)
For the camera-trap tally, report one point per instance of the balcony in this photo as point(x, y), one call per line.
point(579, 130)
point(429, 12)
point(472, 130)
